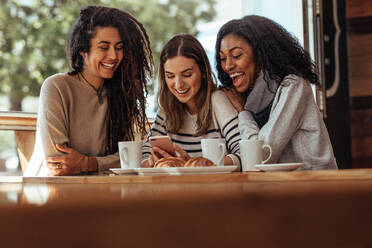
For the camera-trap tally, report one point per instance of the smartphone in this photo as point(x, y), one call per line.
point(163, 142)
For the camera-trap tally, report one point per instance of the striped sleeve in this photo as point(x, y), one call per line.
point(232, 136)
point(227, 118)
point(158, 128)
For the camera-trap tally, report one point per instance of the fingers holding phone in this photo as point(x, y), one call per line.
point(157, 154)
point(164, 143)
point(181, 153)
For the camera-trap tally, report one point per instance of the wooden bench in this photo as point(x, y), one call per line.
point(24, 127)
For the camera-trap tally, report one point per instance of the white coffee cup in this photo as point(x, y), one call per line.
point(214, 150)
point(251, 153)
point(130, 153)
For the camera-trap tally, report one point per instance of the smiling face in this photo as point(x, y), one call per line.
point(104, 57)
point(237, 60)
point(183, 78)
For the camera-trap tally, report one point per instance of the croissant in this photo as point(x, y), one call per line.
point(199, 162)
point(169, 162)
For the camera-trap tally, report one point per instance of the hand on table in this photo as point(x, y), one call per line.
point(236, 98)
point(68, 164)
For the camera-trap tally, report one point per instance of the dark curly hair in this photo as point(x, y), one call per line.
point(187, 46)
point(277, 53)
point(127, 89)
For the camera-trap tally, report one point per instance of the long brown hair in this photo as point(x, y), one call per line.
point(189, 47)
point(127, 89)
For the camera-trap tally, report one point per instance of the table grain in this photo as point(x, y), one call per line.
point(281, 209)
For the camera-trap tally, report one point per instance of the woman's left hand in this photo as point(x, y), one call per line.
point(68, 164)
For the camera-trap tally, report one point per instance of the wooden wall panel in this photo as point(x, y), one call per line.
point(358, 8)
point(359, 38)
point(361, 146)
point(361, 123)
point(359, 44)
point(360, 64)
point(360, 86)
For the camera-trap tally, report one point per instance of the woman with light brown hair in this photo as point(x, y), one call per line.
point(190, 106)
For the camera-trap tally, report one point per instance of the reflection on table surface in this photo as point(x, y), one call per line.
point(104, 188)
point(209, 211)
point(88, 194)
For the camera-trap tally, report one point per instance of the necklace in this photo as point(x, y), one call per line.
point(98, 91)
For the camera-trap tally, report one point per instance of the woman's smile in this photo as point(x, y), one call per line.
point(182, 92)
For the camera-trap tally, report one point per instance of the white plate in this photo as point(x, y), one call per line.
point(185, 170)
point(121, 171)
point(279, 167)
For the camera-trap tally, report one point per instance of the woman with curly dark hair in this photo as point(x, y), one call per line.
point(84, 113)
point(267, 76)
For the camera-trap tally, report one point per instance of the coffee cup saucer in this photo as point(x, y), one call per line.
point(279, 166)
point(121, 171)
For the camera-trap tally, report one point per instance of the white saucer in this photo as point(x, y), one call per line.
point(121, 171)
point(279, 167)
point(185, 170)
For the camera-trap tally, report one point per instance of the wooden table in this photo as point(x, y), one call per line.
point(284, 209)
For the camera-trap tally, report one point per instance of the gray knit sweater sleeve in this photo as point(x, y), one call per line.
point(295, 130)
point(283, 122)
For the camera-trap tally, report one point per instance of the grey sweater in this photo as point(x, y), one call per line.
point(70, 114)
point(295, 130)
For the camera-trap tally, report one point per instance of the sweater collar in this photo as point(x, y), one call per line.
point(261, 95)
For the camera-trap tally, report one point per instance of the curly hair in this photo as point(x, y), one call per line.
point(186, 45)
point(277, 52)
point(127, 89)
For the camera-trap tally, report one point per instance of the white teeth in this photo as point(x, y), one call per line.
point(108, 65)
point(235, 74)
point(182, 91)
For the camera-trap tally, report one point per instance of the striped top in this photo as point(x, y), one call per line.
point(224, 125)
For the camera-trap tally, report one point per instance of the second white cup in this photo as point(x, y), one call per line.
point(130, 153)
point(214, 150)
point(251, 153)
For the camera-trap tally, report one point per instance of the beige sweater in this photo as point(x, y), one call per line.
point(70, 114)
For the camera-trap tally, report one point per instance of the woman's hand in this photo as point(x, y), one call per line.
point(235, 98)
point(68, 164)
point(181, 153)
point(157, 153)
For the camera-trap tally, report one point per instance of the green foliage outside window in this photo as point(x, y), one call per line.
point(33, 35)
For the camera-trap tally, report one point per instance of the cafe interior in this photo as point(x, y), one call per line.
point(328, 208)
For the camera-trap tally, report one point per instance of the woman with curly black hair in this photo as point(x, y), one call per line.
point(84, 113)
point(267, 76)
